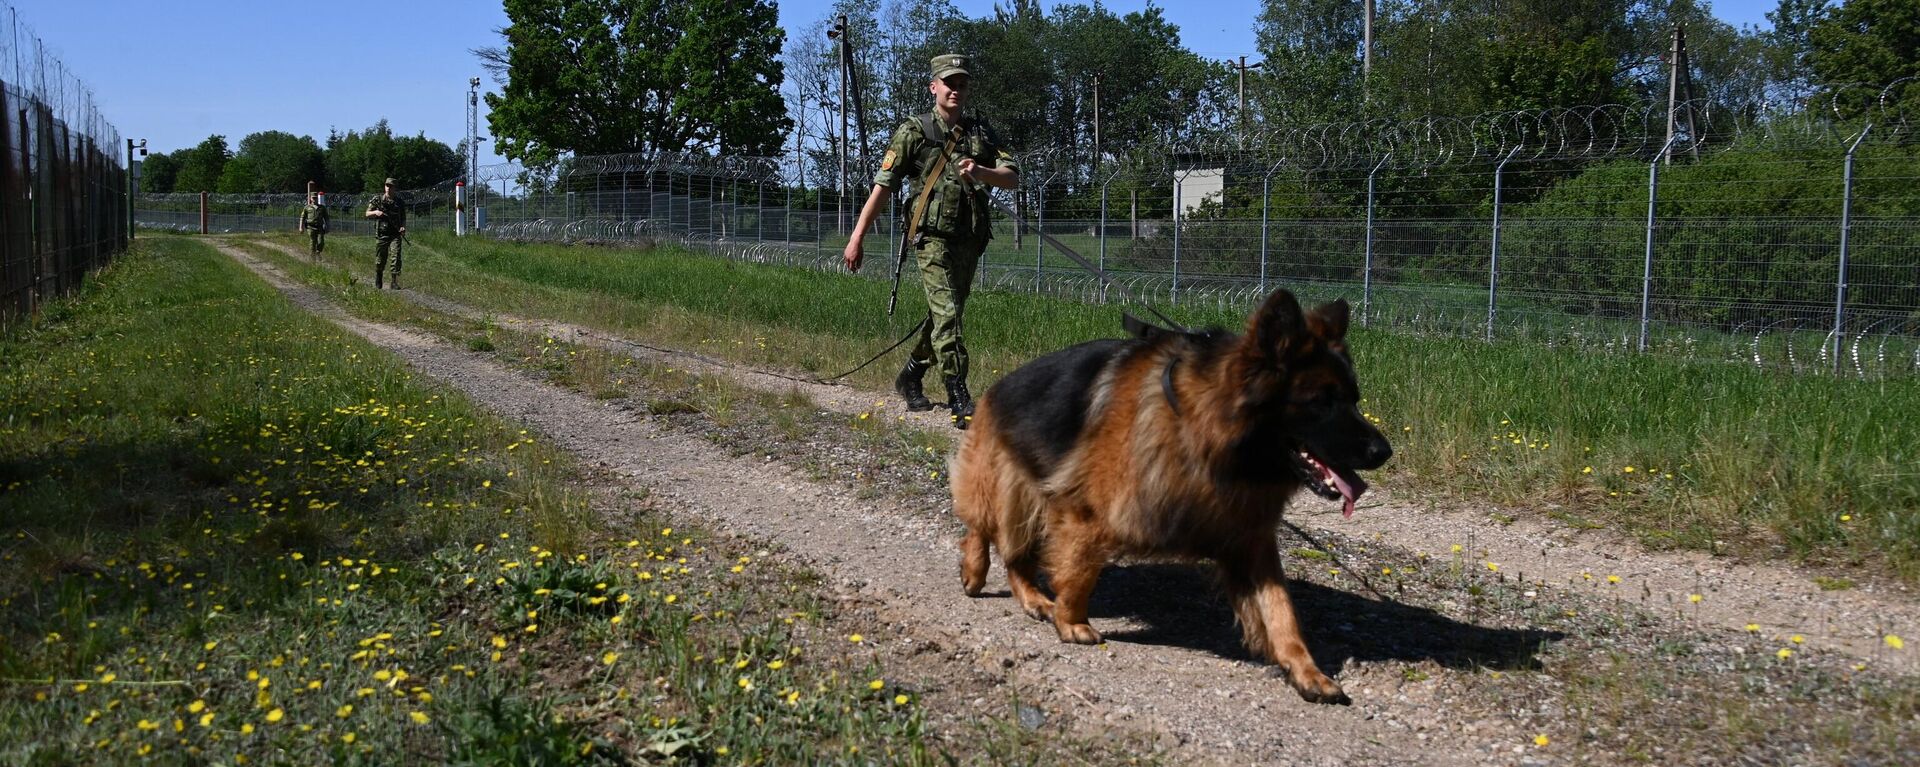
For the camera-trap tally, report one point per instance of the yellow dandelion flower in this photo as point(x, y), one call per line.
point(196, 706)
point(876, 684)
point(1753, 627)
point(856, 638)
point(1613, 579)
point(900, 700)
point(1784, 653)
point(419, 717)
point(1628, 469)
point(1895, 642)
point(344, 711)
point(1540, 740)
point(246, 729)
point(276, 715)
point(1694, 598)
point(609, 658)
point(349, 738)
point(1797, 639)
point(780, 664)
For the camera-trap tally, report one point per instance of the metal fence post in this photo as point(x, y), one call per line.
point(1265, 204)
point(1846, 228)
point(1493, 265)
point(1039, 236)
point(1366, 267)
point(1103, 238)
point(1646, 267)
point(1175, 296)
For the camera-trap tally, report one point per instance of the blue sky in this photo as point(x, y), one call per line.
point(178, 71)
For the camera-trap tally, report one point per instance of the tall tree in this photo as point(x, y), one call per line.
point(200, 166)
point(1311, 66)
point(1790, 54)
point(238, 177)
point(418, 161)
point(590, 77)
point(157, 172)
point(360, 161)
point(283, 162)
point(1863, 46)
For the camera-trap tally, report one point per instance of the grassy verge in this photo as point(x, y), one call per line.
point(1718, 457)
point(237, 535)
point(1580, 673)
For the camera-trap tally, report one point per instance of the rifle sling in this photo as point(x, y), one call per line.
point(919, 209)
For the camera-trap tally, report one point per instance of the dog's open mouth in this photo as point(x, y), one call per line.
point(1329, 482)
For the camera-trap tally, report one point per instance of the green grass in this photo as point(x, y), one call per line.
point(1722, 456)
point(237, 535)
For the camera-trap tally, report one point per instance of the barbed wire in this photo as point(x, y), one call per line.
point(1563, 134)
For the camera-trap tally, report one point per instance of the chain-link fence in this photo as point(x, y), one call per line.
point(63, 186)
point(1781, 240)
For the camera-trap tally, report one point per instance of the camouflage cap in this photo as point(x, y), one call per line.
point(947, 65)
point(391, 182)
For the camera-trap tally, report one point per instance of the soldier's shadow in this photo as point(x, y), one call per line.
point(1182, 605)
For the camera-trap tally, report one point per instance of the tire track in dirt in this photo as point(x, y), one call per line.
point(1203, 705)
point(1782, 600)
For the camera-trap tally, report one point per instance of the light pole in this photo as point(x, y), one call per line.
point(142, 146)
point(1243, 66)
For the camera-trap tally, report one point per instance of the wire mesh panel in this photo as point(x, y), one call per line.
point(63, 185)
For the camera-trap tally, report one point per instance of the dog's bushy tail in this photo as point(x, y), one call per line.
point(993, 497)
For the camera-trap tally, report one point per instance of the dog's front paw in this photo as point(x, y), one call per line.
point(1316, 687)
point(1077, 633)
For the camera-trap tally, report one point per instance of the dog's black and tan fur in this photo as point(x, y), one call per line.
point(1167, 444)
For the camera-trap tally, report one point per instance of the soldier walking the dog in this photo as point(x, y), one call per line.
point(315, 219)
point(389, 213)
point(954, 158)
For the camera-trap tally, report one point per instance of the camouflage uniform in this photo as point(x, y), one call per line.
point(386, 232)
point(954, 229)
point(316, 220)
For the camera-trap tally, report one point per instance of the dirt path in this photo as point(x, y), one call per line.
point(1782, 601)
point(1198, 695)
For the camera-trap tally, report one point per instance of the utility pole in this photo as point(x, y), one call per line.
point(1096, 122)
point(471, 216)
point(839, 32)
point(1243, 66)
point(1679, 86)
point(1366, 55)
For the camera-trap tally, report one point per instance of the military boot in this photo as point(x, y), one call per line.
point(379, 280)
point(394, 281)
point(907, 385)
point(959, 401)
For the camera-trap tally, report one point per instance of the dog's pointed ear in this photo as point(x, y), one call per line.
point(1329, 321)
point(1274, 325)
point(1139, 328)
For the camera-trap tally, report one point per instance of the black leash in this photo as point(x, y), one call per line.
point(719, 363)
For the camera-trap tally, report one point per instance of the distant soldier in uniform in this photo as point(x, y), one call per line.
point(315, 219)
point(954, 223)
point(390, 223)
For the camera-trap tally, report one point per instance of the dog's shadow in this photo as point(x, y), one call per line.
point(1182, 605)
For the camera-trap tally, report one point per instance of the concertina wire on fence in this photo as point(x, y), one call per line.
point(1787, 241)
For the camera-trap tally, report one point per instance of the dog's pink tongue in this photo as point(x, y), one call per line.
point(1350, 486)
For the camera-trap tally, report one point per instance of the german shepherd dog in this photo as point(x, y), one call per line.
point(1167, 444)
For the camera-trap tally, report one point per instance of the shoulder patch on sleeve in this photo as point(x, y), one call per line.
point(886, 163)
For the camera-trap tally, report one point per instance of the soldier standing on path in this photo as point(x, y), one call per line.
point(315, 219)
point(390, 224)
point(955, 158)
